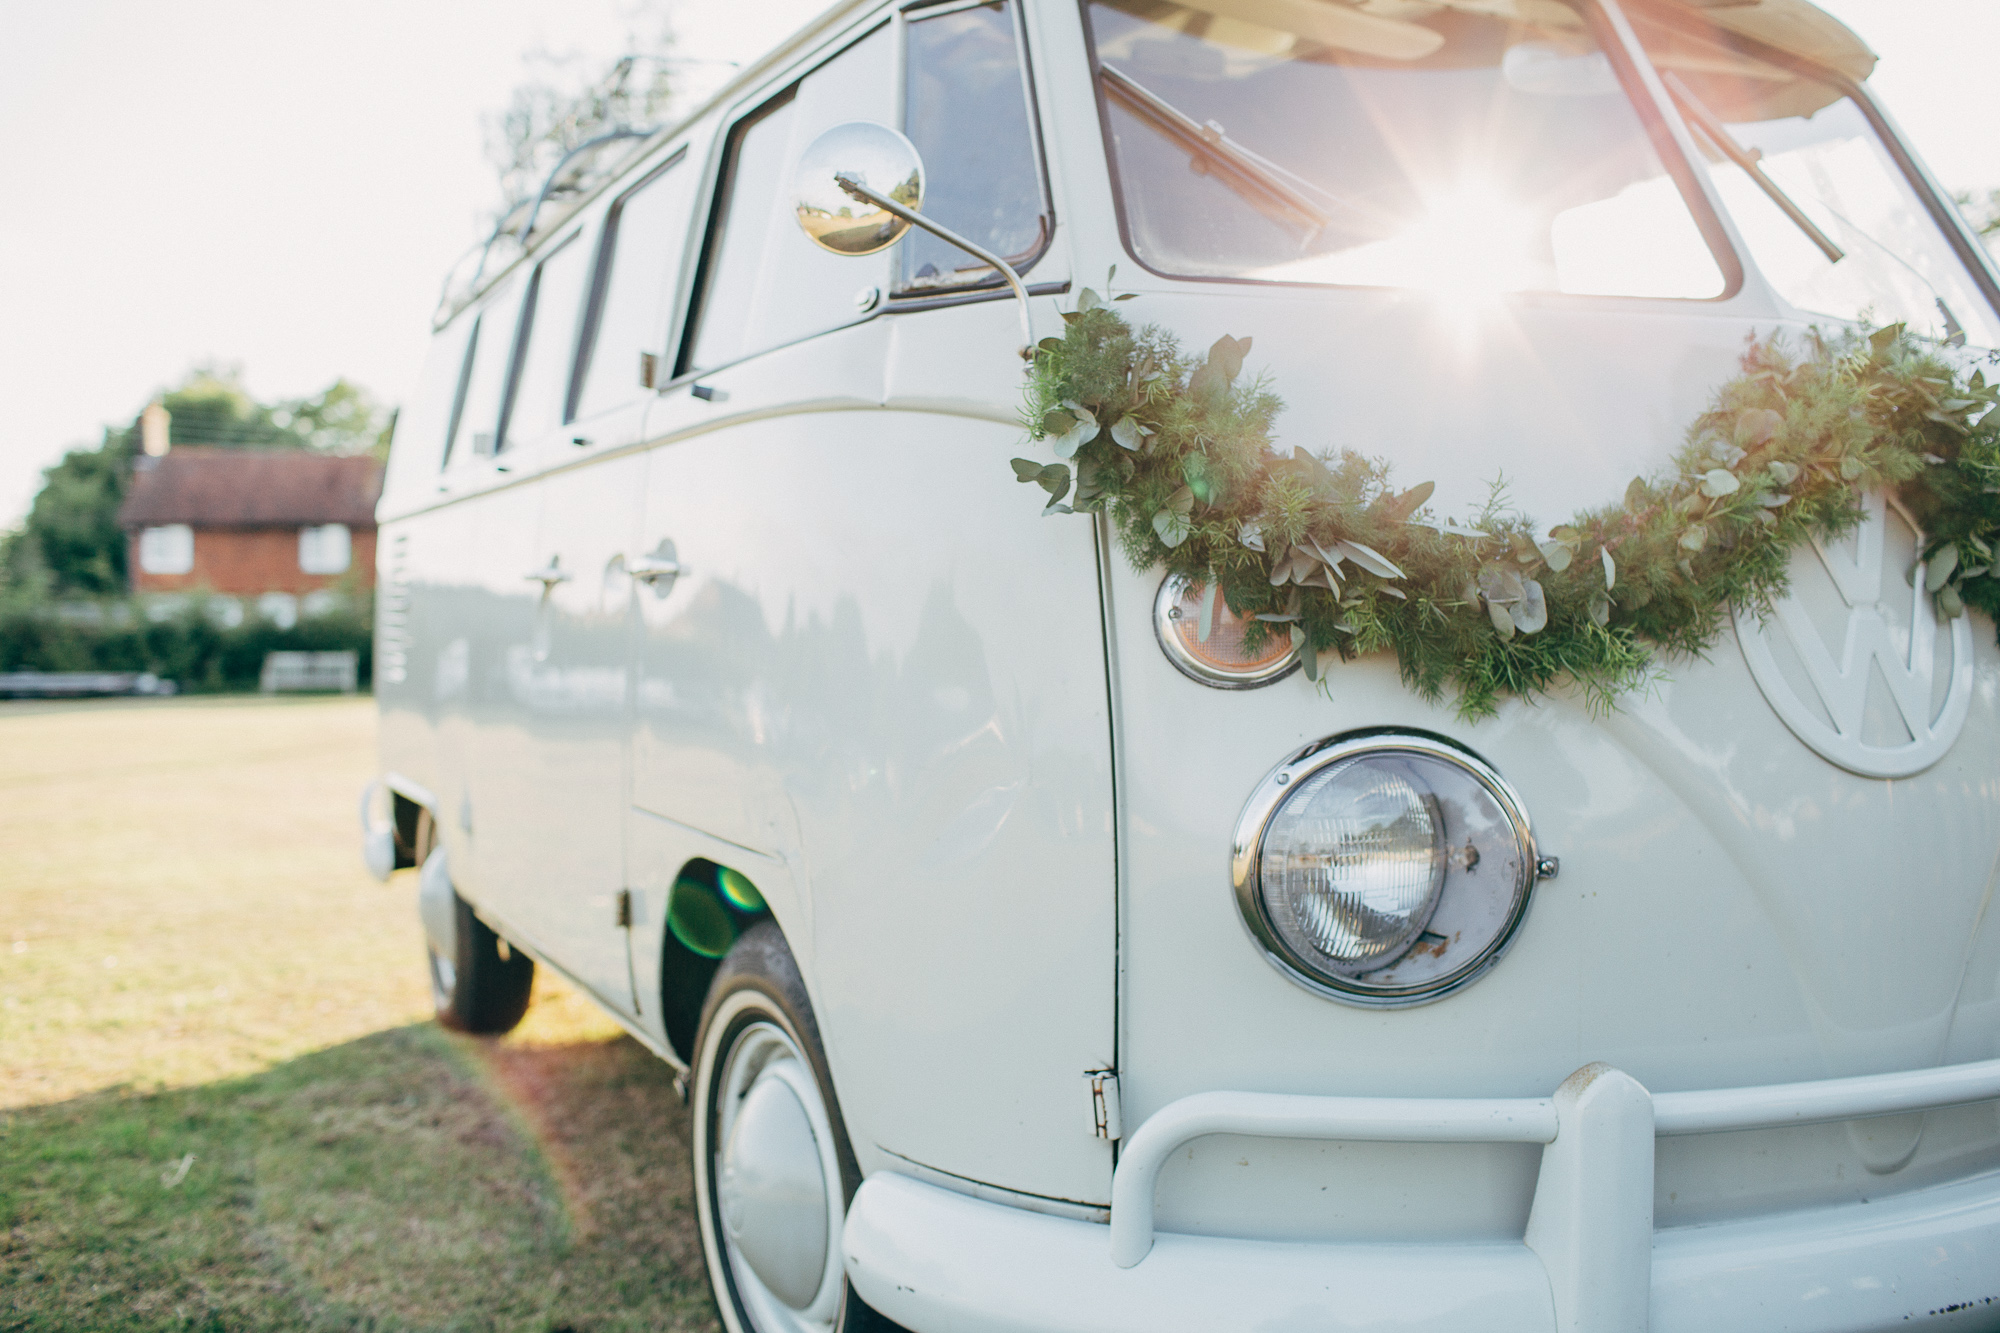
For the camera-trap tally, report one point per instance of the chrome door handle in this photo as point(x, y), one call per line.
point(550, 575)
point(652, 568)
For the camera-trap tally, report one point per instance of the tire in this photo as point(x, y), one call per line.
point(479, 984)
point(773, 1170)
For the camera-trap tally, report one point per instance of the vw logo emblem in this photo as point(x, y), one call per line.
point(1850, 658)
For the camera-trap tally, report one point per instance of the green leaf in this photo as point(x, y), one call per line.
point(1718, 482)
point(1083, 432)
point(1784, 473)
point(1694, 538)
point(1025, 469)
point(1557, 555)
point(1057, 423)
point(1050, 344)
point(1251, 536)
point(1087, 300)
point(1181, 501)
point(1172, 525)
point(1610, 568)
point(1950, 603)
point(1502, 619)
point(1600, 610)
point(1207, 610)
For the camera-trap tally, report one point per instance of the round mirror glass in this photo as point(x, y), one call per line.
point(872, 155)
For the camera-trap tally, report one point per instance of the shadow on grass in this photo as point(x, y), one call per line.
point(408, 1180)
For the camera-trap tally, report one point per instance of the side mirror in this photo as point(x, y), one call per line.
point(873, 156)
point(857, 191)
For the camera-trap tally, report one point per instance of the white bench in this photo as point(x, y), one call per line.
point(286, 672)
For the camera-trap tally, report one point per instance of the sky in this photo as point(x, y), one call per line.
point(283, 186)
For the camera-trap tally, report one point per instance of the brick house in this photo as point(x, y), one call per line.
point(284, 531)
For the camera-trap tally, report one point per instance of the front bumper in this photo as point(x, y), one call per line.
point(1591, 1262)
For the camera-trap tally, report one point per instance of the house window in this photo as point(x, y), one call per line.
point(166, 550)
point(325, 549)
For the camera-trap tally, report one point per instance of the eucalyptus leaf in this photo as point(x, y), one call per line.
point(1757, 425)
point(1025, 469)
point(1938, 571)
point(1087, 300)
point(1557, 555)
point(1718, 482)
point(1250, 536)
point(1610, 568)
point(1369, 559)
point(1128, 432)
point(1207, 610)
point(1950, 604)
point(1531, 613)
point(1399, 509)
point(1600, 610)
point(1501, 583)
point(1694, 538)
point(1502, 619)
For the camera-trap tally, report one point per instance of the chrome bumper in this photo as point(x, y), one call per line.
point(1590, 1261)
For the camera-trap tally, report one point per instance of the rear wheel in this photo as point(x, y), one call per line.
point(479, 983)
point(772, 1167)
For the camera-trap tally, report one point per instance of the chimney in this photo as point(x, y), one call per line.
point(153, 423)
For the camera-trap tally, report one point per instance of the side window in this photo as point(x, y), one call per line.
point(763, 283)
point(638, 260)
point(474, 422)
point(966, 108)
point(548, 351)
point(425, 422)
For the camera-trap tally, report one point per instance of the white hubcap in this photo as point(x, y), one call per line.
point(777, 1184)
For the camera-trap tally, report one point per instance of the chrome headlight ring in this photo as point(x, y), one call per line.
point(1483, 848)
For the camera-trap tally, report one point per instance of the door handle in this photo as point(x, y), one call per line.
point(652, 568)
point(549, 575)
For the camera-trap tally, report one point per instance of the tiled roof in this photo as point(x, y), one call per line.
point(211, 486)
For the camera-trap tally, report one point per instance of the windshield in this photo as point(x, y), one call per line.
point(1878, 255)
point(1482, 145)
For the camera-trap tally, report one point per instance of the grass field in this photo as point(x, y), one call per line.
point(222, 1105)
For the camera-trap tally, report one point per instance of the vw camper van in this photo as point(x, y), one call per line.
point(1046, 943)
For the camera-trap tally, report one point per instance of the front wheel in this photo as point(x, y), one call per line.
point(772, 1167)
point(478, 983)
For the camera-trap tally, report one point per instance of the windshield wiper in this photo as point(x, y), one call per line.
point(1717, 133)
point(1269, 188)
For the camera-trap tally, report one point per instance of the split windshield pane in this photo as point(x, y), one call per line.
point(1865, 248)
point(1441, 148)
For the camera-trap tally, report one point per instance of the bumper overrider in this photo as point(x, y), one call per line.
point(1590, 1261)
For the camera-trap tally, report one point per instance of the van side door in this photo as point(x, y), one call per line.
point(576, 417)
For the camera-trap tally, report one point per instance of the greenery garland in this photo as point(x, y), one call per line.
point(1179, 454)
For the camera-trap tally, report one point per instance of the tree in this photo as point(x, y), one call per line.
point(71, 542)
point(572, 98)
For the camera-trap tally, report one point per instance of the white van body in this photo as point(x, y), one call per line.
point(1734, 1070)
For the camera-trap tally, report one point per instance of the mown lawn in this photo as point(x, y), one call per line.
point(222, 1105)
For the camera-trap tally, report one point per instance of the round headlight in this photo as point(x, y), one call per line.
point(1223, 657)
point(1384, 869)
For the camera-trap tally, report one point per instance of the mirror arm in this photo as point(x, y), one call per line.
point(856, 190)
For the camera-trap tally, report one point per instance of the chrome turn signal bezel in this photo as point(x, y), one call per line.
point(1247, 852)
point(1165, 604)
